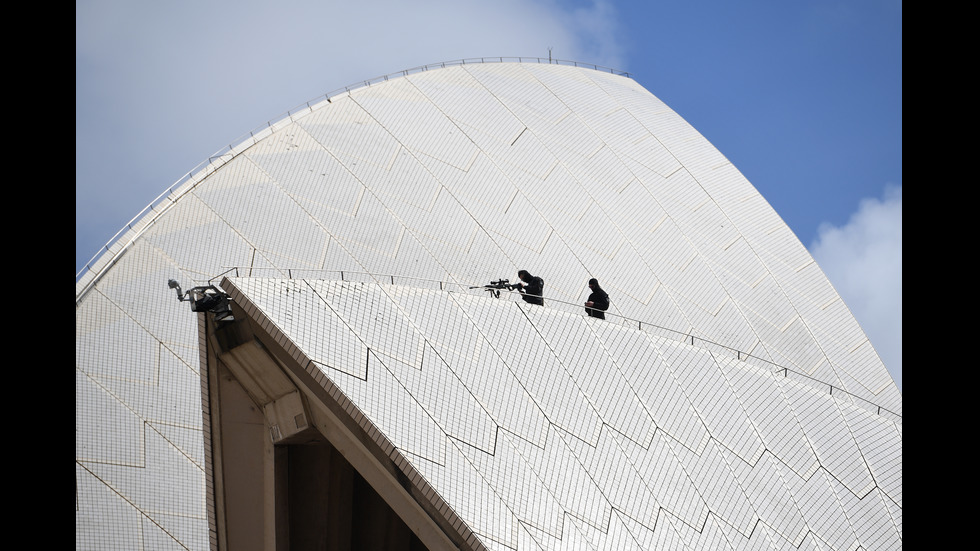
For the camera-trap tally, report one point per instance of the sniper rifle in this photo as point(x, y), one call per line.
point(495, 287)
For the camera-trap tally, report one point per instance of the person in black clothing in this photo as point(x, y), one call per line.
point(598, 301)
point(532, 289)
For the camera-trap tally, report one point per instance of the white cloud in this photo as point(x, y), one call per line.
point(863, 260)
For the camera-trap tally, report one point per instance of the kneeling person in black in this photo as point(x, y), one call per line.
point(532, 289)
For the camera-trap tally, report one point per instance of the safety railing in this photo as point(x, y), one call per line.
point(225, 154)
point(573, 307)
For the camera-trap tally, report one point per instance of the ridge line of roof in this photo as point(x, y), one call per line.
point(680, 337)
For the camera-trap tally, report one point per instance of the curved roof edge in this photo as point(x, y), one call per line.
point(100, 262)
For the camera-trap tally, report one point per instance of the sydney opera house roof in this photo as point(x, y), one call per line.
point(728, 400)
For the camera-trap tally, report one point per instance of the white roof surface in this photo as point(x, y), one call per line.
point(729, 400)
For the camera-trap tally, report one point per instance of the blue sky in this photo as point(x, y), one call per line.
point(804, 97)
